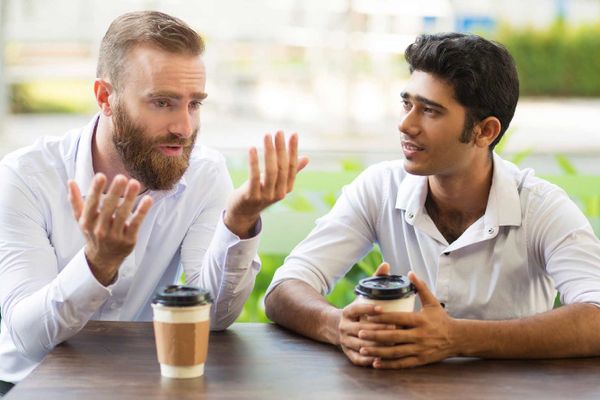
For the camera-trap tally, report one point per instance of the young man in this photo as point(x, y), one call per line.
point(152, 203)
point(486, 244)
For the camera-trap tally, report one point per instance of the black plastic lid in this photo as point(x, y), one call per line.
point(388, 287)
point(182, 296)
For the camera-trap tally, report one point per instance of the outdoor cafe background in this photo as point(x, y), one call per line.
point(331, 71)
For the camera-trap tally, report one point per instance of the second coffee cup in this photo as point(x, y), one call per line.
point(393, 293)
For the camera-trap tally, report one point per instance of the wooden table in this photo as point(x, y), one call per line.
point(117, 360)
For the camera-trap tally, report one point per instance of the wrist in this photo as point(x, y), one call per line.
point(461, 334)
point(105, 273)
point(331, 326)
point(241, 225)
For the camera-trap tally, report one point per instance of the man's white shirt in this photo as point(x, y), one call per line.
point(531, 241)
point(47, 291)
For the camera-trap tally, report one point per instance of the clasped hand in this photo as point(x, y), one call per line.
point(370, 337)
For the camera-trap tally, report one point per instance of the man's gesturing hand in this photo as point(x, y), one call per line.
point(249, 200)
point(419, 338)
point(109, 228)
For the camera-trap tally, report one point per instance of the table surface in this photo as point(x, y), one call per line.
point(118, 360)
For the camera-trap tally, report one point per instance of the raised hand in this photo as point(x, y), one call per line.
point(249, 200)
point(109, 228)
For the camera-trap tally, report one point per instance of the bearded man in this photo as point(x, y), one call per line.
point(92, 223)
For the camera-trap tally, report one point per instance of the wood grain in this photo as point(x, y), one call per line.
point(117, 360)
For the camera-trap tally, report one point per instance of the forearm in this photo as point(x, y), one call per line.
point(297, 306)
point(40, 319)
point(570, 331)
point(227, 269)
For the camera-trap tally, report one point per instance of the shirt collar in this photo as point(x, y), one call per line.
point(503, 207)
point(504, 203)
point(84, 167)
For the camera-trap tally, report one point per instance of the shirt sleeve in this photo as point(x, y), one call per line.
point(339, 239)
point(565, 243)
point(216, 259)
point(42, 306)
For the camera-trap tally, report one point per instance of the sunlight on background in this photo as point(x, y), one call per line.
point(331, 70)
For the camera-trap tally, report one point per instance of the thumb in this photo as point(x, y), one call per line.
point(302, 162)
point(427, 298)
point(382, 270)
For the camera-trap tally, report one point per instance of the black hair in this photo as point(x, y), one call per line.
point(482, 73)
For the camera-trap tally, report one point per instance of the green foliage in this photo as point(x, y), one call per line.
point(60, 96)
point(557, 61)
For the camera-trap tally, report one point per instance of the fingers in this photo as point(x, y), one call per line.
point(254, 173)
point(282, 166)
point(123, 211)
point(390, 352)
point(75, 199)
point(133, 226)
point(109, 205)
point(91, 206)
point(356, 310)
point(293, 161)
point(407, 362)
point(387, 336)
point(403, 319)
point(270, 168)
point(427, 298)
point(383, 269)
point(357, 359)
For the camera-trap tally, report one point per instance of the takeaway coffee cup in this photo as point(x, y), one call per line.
point(181, 328)
point(392, 292)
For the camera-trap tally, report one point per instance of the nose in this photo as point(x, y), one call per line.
point(184, 124)
point(409, 124)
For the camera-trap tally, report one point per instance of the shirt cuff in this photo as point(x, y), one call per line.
point(78, 285)
point(240, 252)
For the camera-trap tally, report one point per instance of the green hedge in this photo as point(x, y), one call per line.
point(557, 61)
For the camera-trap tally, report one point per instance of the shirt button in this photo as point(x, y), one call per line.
point(491, 231)
point(411, 215)
point(447, 253)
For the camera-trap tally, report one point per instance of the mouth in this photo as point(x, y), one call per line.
point(411, 147)
point(171, 150)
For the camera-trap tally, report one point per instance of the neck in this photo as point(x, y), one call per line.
point(463, 193)
point(105, 158)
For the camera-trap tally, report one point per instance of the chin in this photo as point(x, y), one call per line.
point(415, 169)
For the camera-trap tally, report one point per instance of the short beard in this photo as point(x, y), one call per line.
point(140, 156)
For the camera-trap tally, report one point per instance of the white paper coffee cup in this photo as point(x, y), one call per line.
point(393, 293)
point(181, 330)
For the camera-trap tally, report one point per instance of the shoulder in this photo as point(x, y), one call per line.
point(543, 203)
point(48, 155)
point(389, 173)
point(207, 166)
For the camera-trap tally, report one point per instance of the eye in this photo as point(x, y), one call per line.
point(194, 105)
point(161, 103)
point(430, 111)
point(406, 105)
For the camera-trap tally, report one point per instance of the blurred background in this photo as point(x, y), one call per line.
point(331, 71)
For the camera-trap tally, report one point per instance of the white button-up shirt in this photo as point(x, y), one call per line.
point(47, 291)
point(531, 241)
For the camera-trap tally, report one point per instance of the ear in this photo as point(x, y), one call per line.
point(486, 131)
point(103, 91)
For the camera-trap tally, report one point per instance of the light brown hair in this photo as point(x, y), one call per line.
point(143, 28)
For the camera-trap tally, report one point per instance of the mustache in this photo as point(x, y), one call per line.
point(174, 140)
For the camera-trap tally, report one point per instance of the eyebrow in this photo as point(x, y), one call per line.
point(421, 99)
point(174, 95)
